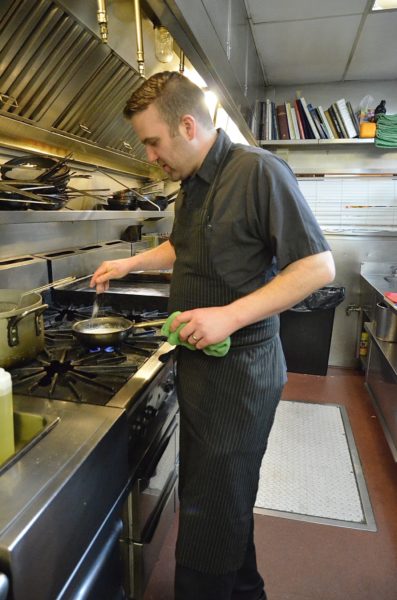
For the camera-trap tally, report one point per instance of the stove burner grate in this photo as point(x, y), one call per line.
point(75, 374)
point(66, 370)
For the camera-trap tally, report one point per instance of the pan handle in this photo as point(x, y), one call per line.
point(13, 337)
point(142, 324)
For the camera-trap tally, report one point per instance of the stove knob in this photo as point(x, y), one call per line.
point(149, 412)
point(168, 386)
point(138, 428)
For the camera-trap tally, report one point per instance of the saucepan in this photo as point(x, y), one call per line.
point(21, 324)
point(108, 331)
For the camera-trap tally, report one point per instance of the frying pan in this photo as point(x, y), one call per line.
point(31, 168)
point(108, 331)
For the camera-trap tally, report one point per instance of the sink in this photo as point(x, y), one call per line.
point(29, 428)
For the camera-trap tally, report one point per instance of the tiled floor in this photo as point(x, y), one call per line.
point(306, 561)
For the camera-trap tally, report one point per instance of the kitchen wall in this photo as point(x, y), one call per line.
point(358, 214)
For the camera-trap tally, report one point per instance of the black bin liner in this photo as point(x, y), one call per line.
point(306, 331)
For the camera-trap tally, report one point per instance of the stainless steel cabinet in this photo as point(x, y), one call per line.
point(381, 381)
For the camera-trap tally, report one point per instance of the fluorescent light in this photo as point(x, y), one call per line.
point(211, 101)
point(194, 77)
point(384, 4)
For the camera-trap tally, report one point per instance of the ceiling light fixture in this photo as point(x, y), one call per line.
point(163, 45)
point(384, 4)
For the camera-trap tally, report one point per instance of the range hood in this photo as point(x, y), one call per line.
point(62, 89)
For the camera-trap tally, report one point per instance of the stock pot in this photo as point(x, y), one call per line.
point(21, 323)
point(21, 326)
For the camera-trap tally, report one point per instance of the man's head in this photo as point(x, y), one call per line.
point(174, 96)
point(170, 116)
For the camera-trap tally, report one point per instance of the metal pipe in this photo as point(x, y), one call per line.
point(139, 39)
point(102, 20)
point(181, 62)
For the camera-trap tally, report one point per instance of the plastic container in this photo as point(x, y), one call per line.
point(7, 445)
point(364, 343)
point(386, 323)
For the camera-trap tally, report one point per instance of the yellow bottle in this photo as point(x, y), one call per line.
point(7, 445)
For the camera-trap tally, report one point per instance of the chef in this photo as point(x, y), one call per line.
point(244, 247)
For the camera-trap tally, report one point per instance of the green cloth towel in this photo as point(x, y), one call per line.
point(219, 349)
point(386, 131)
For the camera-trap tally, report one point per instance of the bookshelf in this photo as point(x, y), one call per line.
point(336, 142)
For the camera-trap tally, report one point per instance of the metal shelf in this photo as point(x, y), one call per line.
point(53, 216)
point(338, 142)
point(387, 349)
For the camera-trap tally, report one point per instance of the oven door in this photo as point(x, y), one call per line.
point(149, 512)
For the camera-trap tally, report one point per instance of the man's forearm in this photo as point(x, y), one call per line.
point(290, 286)
point(162, 257)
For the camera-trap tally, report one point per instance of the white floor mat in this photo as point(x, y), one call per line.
point(311, 470)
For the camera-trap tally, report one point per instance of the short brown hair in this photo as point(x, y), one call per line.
point(174, 96)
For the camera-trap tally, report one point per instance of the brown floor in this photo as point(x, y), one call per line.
point(306, 561)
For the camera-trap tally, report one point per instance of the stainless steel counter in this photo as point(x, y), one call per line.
point(375, 275)
point(54, 499)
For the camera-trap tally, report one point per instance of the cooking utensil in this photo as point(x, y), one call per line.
point(386, 323)
point(54, 168)
point(7, 306)
point(21, 327)
point(108, 331)
point(19, 192)
point(31, 167)
point(48, 286)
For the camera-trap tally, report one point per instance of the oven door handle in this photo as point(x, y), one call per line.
point(151, 526)
point(143, 482)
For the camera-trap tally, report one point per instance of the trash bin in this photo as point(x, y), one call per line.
point(306, 331)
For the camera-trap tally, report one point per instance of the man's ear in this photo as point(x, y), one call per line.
point(189, 126)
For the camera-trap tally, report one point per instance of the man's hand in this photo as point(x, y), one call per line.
point(204, 326)
point(211, 325)
point(110, 269)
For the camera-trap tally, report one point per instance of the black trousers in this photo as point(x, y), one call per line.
point(244, 584)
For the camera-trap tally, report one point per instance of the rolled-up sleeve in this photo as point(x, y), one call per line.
point(288, 222)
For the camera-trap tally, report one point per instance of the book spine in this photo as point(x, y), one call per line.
point(299, 119)
point(310, 120)
point(295, 122)
point(316, 121)
point(268, 120)
point(353, 117)
point(275, 131)
point(291, 128)
point(346, 119)
point(261, 132)
point(325, 122)
point(306, 126)
point(282, 122)
point(339, 121)
point(331, 123)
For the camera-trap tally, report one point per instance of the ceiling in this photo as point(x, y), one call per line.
point(318, 41)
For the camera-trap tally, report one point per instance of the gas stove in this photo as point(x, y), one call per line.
point(133, 384)
point(66, 370)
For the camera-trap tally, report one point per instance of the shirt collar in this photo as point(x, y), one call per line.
point(211, 162)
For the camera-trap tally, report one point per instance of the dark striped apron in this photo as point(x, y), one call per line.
point(227, 407)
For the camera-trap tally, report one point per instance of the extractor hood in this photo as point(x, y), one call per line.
point(61, 88)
